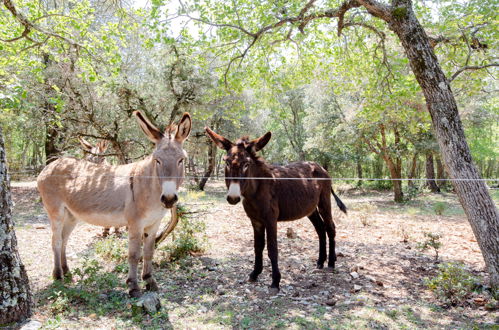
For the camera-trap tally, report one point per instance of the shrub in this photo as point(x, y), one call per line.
point(439, 208)
point(453, 283)
point(431, 241)
point(90, 283)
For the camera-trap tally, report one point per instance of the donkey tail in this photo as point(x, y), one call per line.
point(340, 204)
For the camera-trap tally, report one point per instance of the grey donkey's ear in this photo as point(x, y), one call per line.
point(85, 144)
point(149, 129)
point(184, 127)
point(219, 140)
point(261, 142)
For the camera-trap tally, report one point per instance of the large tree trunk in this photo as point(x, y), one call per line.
point(472, 192)
point(430, 173)
point(15, 295)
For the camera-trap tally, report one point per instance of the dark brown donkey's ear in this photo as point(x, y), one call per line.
point(259, 143)
point(219, 140)
point(87, 146)
point(149, 129)
point(184, 127)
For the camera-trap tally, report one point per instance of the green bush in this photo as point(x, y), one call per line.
point(453, 283)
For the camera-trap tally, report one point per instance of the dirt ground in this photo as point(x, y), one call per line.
point(378, 282)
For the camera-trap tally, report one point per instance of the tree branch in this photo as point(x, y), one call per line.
point(471, 68)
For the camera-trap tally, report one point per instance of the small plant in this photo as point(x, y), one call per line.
point(404, 234)
point(453, 283)
point(411, 192)
point(365, 215)
point(431, 241)
point(188, 237)
point(439, 208)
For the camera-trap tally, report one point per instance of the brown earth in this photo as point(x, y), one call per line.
point(378, 282)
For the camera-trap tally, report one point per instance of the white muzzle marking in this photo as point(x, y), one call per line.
point(169, 188)
point(234, 190)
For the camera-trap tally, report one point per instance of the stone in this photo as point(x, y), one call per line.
point(290, 233)
point(31, 325)
point(149, 303)
point(357, 288)
point(354, 275)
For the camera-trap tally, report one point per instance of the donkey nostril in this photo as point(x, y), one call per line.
point(175, 198)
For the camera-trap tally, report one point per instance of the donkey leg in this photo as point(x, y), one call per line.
point(316, 220)
point(134, 242)
point(271, 228)
point(105, 232)
point(149, 243)
point(325, 213)
point(259, 244)
point(68, 226)
point(56, 224)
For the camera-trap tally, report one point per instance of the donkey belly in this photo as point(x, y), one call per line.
point(296, 209)
point(113, 219)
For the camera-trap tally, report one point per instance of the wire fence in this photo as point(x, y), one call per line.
point(219, 178)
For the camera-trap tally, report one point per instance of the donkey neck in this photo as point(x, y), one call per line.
point(258, 169)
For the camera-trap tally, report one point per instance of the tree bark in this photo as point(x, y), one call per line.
point(472, 192)
point(430, 173)
point(212, 152)
point(15, 294)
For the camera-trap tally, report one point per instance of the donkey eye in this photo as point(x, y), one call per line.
point(158, 161)
point(180, 162)
point(245, 167)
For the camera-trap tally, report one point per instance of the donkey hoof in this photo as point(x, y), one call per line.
point(273, 291)
point(134, 293)
point(152, 286)
point(320, 266)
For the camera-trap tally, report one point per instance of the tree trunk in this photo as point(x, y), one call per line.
point(412, 171)
point(15, 295)
point(472, 192)
point(396, 174)
point(430, 173)
point(359, 172)
point(212, 152)
point(440, 173)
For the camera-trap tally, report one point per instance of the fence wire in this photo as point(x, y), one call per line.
point(218, 178)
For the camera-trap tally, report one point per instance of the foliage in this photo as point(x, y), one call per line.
point(453, 283)
point(92, 288)
point(431, 241)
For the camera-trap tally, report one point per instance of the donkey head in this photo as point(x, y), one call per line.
point(169, 154)
point(239, 159)
point(95, 153)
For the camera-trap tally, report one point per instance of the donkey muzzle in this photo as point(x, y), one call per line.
point(169, 201)
point(233, 200)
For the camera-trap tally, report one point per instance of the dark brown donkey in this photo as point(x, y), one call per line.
point(267, 199)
